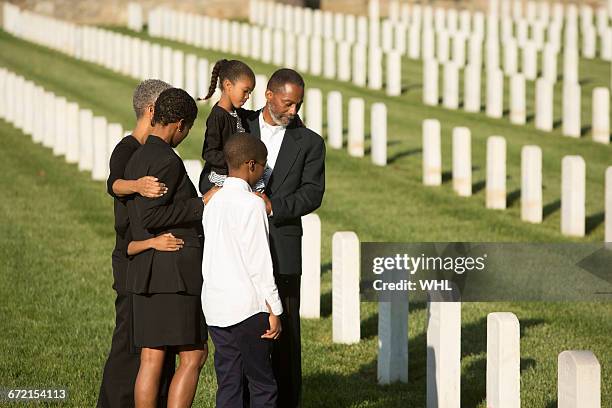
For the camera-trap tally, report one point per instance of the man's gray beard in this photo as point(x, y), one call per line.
point(275, 118)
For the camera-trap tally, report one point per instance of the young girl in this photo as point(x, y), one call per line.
point(236, 82)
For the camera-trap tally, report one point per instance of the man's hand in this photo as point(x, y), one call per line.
point(266, 200)
point(149, 186)
point(206, 197)
point(275, 328)
point(167, 243)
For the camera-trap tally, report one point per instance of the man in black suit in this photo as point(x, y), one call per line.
point(295, 183)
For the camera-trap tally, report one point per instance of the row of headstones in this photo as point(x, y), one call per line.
point(313, 54)
point(413, 20)
point(494, 98)
point(579, 378)
point(59, 124)
point(573, 176)
point(124, 54)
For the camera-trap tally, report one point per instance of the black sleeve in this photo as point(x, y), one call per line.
point(161, 211)
point(309, 195)
point(212, 152)
point(118, 161)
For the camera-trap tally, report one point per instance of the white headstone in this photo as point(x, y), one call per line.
point(601, 115)
point(444, 355)
point(430, 82)
point(394, 73)
point(278, 47)
point(290, 50)
point(310, 296)
point(503, 360)
point(334, 119)
point(549, 63)
point(315, 55)
point(472, 85)
point(496, 173)
point(589, 41)
point(495, 93)
point(530, 61)
point(573, 174)
point(510, 58)
point(266, 45)
point(259, 93)
point(432, 153)
point(570, 65)
point(314, 110)
point(100, 146)
point(204, 73)
point(571, 109)
point(579, 380)
point(59, 147)
point(191, 75)
point(166, 68)
point(356, 112)
point(303, 56)
point(518, 108)
point(344, 61)
point(72, 132)
point(86, 140)
point(544, 105)
point(392, 341)
point(451, 86)
point(345, 288)
point(462, 161)
point(459, 50)
point(39, 114)
point(375, 68)
point(414, 41)
point(359, 65)
point(329, 51)
point(378, 123)
point(531, 184)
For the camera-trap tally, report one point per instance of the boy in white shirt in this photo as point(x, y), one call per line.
point(239, 296)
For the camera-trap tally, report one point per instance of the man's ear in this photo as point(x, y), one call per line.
point(269, 95)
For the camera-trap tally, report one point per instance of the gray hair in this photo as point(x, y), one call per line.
point(146, 94)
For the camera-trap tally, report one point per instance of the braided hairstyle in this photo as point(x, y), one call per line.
point(232, 70)
point(172, 105)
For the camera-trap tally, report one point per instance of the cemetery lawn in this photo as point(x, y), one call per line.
point(57, 234)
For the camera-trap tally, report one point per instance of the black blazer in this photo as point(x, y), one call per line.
point(295, 188)
point(179, 211)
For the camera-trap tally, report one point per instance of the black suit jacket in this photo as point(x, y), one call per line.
point(179, 211)
point(295, 189)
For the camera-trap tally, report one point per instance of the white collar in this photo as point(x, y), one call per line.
point(237, 183)
point(264, 124)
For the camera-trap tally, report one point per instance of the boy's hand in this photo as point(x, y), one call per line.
point(149, 186)
point(275, 328)
point(206, 197)
point(167, 243)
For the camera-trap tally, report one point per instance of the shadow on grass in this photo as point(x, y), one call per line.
point(404, 153)
point(479, 185)
point(512, 197)
point(593, 221)
point(585, 129)
point(551, 208)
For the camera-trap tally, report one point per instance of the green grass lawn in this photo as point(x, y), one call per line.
point(57, 236)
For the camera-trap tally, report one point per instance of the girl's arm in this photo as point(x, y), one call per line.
point(165, 242)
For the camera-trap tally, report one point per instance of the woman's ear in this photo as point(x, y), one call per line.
point(181, 125)
point(150, 110)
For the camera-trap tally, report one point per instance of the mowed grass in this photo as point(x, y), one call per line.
point(57, 307)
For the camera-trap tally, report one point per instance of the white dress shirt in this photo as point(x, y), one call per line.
point(236, 265)
point(272, 136)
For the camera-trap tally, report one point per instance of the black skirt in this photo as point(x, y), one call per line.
point(168, 319)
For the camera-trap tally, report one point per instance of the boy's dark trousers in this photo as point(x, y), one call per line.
point(121, 368)
point(241, 352)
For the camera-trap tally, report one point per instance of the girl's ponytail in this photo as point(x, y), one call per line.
point(216, 71)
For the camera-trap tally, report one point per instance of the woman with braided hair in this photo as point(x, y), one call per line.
point(236, 81)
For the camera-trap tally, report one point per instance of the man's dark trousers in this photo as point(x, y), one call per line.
point(288, 371)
